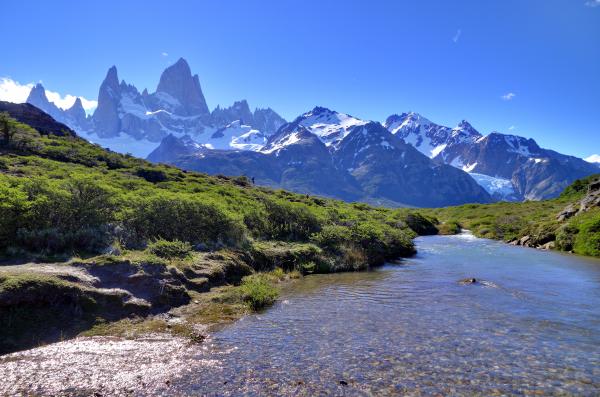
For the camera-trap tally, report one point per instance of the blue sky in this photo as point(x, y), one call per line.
point(448, 60)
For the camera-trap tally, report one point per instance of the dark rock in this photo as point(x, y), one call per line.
point(178, 82)
point(466, 281)
point(567, 213)
point(525, 241)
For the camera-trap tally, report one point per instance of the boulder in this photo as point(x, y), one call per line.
point(549, 245)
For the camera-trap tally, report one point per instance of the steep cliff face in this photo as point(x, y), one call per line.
point(131, 121)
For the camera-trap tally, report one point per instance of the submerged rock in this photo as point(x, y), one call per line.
point(466, 281)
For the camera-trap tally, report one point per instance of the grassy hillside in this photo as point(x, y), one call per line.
point(60, 195)
point(127, 238)
point(536, 223)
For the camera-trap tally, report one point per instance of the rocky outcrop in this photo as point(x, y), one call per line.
point(177, 82)
point(590, 200)
point(172, 148)
point(106, 119)
point(266, 121)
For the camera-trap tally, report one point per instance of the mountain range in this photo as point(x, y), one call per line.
point(405, 161)
point(128, 120)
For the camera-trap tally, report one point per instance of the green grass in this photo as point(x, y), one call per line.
point(259, 290)
point(170, 249)
point(62, 195)
point(537, 219)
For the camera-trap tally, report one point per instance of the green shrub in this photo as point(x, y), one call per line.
point(420, 225)
point(174, 217)
point(170, 249)
point(258, 291)
point(449, 227)
point(565, 237)
point(332, 237)
point(55, 216)
point(152, 175)
point(587, 241)
point(289, 221)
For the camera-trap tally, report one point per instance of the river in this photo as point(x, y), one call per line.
point(529, 326)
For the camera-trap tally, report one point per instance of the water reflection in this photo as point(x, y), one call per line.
point(530, 327)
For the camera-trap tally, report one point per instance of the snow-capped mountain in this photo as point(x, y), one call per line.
point(509, 167)
point(73, 117)
point(332, 154)
point(320, 141)
point(331, 127)
point(128, 120)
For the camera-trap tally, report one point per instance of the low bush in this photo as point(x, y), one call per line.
point(177, 217)
point(449, 227)
point(587, 241)
point(170, 249)
point(258, 291)
point(420, 224)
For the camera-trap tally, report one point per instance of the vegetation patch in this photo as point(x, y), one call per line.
point(170, 249)
point(534, 223)
point(259, 291)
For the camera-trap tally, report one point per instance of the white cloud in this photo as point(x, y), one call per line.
point(512, 128)
point(509, 96)
point(13, 91)
point(593, 3)
point(457, 36)
point(164, 54)
point(594, 158)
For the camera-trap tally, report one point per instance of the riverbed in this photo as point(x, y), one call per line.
point(530, 325)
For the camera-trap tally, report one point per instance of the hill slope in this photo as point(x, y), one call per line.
point(126, 237)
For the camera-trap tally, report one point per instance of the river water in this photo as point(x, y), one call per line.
point(530, 326)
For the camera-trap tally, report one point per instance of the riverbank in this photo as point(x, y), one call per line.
point(182, 292)
point(529, 327)
point(570, 222)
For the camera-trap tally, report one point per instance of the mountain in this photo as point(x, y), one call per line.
point(127, 120)
point(509, 167)
point(75, 117)
point(336, 155)
point(387, 168)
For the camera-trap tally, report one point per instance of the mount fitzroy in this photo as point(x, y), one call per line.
point(408, 160)
point(129, 121)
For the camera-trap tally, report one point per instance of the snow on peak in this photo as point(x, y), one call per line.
point(427, 137)
point(236, 136)
point(330, 126)
point(466, 130)
point(282, 142)
point(518, 145)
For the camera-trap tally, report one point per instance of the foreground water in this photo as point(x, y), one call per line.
point(532, 326)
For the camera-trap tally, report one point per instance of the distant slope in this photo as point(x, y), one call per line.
point(510, 167)
point(570, 222)
point(335, 155)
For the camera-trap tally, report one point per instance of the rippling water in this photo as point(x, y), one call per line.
point(531, 327)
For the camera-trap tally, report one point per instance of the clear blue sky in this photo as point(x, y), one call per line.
point(447, 60)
